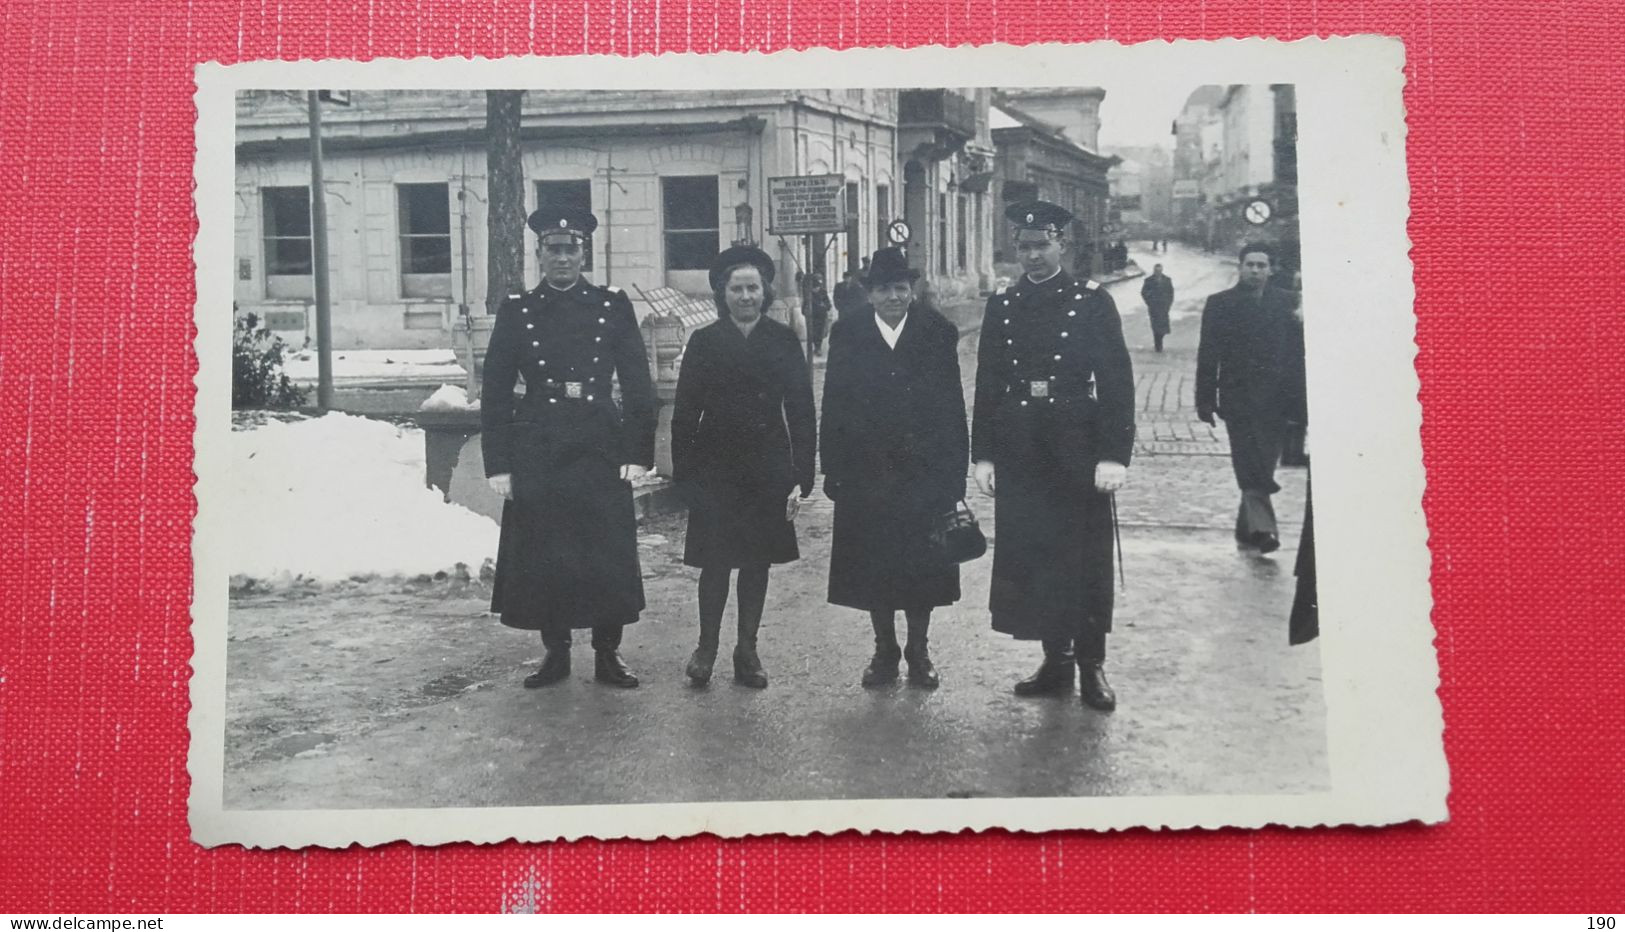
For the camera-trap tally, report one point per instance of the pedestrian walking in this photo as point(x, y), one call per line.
point(1051, 435)
point(895, 449)
point(817, 311)
point(850, 296)
point(1250, 372)
point(563, 456)
point(743, 438)
point(1158, 294)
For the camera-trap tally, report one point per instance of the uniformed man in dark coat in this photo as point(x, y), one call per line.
point(894, 454)
point(1051, 436)
point(1158, 294)
point(1250, 371)
point(564, 455)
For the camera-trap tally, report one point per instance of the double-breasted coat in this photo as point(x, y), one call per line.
point(1250, 371)
point(568, 555)
point(894, 450)
point(743, 435)
point(1054, 397)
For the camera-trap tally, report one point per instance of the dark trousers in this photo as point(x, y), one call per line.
point(1089, 643)
point(604, 637)
point(1255, 450)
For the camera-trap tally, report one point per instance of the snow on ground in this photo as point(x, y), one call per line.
point(448, 398)
point(340, 496)
point(379, 365)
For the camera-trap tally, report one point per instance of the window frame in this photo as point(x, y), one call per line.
point(281, 285)
point(667, 231)
point(414, 285)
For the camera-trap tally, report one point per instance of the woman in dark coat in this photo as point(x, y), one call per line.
point(895, 451)
point(742, 447)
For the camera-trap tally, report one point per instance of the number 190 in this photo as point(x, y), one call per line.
point(1605, 923)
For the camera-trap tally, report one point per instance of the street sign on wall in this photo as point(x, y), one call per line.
point(800, 204)
point(1187, 187)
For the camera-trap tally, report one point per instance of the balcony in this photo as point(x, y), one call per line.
point(937, 109)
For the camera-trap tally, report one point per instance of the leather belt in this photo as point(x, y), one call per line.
point(1064, 389)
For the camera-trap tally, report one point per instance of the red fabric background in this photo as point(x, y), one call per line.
point(1516, 113)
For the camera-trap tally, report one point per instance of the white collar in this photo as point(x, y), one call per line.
point(1040, 281)
point(888, 333)
point(570, 287)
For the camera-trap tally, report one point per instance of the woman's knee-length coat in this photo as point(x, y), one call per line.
point(743, 435)
point(895, 452)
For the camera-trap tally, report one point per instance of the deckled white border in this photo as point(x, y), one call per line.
point(1384, 728)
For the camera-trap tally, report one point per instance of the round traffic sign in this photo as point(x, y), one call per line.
point(1257, 212)
point(899, 232)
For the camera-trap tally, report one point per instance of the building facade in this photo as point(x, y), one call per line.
point(1237, 145)
point(673, 177)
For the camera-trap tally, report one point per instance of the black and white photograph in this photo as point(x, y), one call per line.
point(716, 444)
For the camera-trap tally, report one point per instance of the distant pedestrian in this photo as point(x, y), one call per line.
point(1158, 294)
point(895, 451)
point(743, 437)
point(563, 454)
point(1250, 372)
point(850, 296)
point(1051, 436)
point(817, 311)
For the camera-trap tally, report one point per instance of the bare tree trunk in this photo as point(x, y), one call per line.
point(505, 177)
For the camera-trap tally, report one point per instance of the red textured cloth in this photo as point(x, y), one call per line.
point(1518, 188)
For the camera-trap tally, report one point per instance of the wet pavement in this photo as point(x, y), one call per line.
point(404, 693)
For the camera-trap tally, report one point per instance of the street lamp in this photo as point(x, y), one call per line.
point(743, 213)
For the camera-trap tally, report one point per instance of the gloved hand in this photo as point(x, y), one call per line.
point(1110, 476)
point(983, 474)
point(502, 484)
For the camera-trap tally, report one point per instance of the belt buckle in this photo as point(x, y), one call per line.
point(1039, 388)
point(574, 389)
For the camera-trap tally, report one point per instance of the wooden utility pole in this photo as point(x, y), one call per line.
point(318, 248)
point(505, 220)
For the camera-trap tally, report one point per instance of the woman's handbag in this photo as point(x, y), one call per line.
point(956, 535)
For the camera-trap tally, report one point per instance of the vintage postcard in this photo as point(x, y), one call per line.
point(891, 440)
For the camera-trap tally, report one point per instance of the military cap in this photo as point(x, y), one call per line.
point(576, 221)
point(1039, 215)
point(736, 256)
point(890, 265)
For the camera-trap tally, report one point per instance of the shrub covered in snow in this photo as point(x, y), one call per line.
point(257, 379)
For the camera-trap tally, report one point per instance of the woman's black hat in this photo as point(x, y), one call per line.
point(740, 255)
point(890, 265)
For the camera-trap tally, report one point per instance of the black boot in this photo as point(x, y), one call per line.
point(555, 667)
point(921, 672)
point(705, 655)
point(752, 596)
point(882, 669)
point(1054, 675)
point(1093, 689)
point(610, 670)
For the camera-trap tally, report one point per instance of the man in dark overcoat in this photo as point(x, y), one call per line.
point(564, 456)
point(850, 296)
point(1158, 294)
point(895, 451)
point(1250, 372)
point(1052, 432)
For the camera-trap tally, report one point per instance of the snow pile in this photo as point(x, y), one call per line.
point(378, 365)
point(448, 398)
point(339, 496)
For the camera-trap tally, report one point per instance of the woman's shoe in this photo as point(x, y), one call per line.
point(700, 664)
point(882, 670)
point(748, 667)
point(921, 672)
